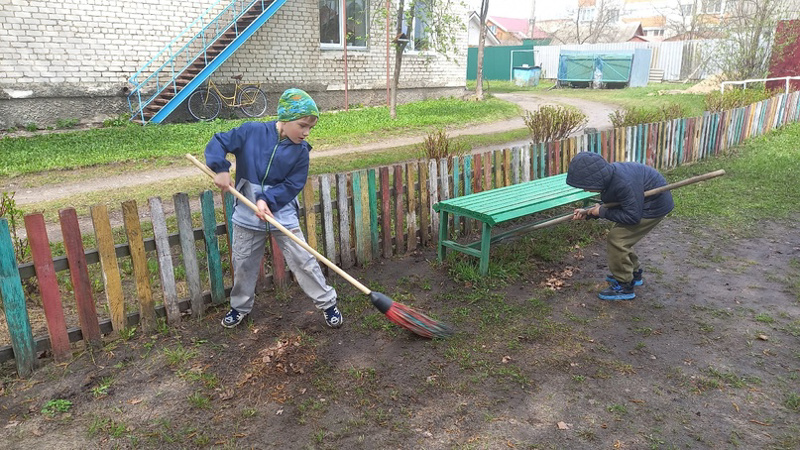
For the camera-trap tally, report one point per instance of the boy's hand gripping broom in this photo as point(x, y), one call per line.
point(398, 313)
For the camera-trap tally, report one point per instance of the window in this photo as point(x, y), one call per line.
point(419, 33)
point(613, 15)
point(686, 10)
point(330, 23)
point(712, 6)
point(586, 14)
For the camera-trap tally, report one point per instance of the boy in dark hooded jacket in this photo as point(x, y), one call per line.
point(624, 183)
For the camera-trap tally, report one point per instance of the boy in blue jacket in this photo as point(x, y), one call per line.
point(624, 183)
point(272, 162)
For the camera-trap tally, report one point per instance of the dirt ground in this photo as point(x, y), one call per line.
point(706, 356)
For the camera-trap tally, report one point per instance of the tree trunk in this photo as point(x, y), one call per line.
point(481, 43)
point(400, 43)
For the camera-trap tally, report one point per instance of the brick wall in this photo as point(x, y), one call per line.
point(73, 58)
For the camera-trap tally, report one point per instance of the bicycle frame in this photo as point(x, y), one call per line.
point(231, 101)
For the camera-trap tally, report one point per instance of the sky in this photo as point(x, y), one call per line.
point(520, 9)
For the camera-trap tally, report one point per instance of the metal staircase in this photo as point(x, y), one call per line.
point(162, 84)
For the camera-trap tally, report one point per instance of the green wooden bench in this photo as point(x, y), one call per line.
point(496, 206)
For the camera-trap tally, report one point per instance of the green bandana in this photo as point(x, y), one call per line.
point(294, 104)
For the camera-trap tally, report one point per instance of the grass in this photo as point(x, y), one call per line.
point(756, 185)
point(152, 144)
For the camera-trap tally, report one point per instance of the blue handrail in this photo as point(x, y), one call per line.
point(165, 76)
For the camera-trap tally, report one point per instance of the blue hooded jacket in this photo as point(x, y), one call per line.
point(623, 182)
point(253, 144)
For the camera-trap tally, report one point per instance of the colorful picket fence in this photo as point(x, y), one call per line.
point(351, 218)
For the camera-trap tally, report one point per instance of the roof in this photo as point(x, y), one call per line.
point(513, 25)
point(475, 21)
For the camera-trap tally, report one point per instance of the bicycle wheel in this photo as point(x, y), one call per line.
point(204, 104)
point(252, 101)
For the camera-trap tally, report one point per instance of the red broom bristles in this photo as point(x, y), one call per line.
point(417, 322)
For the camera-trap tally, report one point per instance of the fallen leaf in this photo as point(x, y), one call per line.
point(506, 359)
point(563, 426)
point(279, 412)
point(763, 337)
point(135, 401)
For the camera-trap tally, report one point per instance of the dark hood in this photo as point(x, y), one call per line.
point(589, 171)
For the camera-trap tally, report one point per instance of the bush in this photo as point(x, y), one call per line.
point(635, 116)
point(67, 123)
point(438, 145)
point(736, 98)
point(552, 123)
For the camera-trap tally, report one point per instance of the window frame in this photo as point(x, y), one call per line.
point(341, 31)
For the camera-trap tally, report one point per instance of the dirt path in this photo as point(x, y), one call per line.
point(597, 114)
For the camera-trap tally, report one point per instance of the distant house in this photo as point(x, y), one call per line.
point(510, 31)
point(474, 29)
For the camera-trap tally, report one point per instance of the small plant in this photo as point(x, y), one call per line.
point(552, 123)
point(438, 145)
point(792, 402)
point(178, 356)
point(636, 115)
point(67, 123)
point(199, 401)
point(127, 333)
point(764, 318)
point(101, 389)
point(119, 121)
point(31, 126)
point(56, 406)
point(9, 210)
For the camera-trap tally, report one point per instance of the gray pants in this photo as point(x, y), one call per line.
point(622, 260)
point(247, 252)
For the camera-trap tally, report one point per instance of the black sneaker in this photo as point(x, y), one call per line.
point(233, 318)
point(637, 278)
point(617, 291)
point(333, 317)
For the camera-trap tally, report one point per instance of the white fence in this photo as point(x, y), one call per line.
point(680, 59)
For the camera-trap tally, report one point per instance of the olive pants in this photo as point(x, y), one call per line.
point(622, 260)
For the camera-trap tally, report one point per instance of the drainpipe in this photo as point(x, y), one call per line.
point(344, 18)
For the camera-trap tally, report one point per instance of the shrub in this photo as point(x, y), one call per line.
point(551, 123)
point(119, 121)
point(634, 115)
point(67, 123)
point(438, 145)
point(736, 98)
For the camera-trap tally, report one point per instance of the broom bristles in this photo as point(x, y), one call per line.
point(417, 322)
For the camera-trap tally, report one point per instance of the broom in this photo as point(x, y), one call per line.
point(398, 313)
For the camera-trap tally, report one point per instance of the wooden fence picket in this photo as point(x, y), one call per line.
point(191, 265)
point(79, 276)
point(361, 222)
point(399, 210)
point(165, 270)
point(213, 260)
point(342, 202)
point(48, 286)
point(411, 209)
point(112, 281)
point(386, 213)
point(433, 195)
point(14, 308)
point(141, 274)
point(373, 213)
point(424, 205)
point(309, 215)
point(326, 204)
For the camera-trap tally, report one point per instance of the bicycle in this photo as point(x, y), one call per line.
point(205, 103)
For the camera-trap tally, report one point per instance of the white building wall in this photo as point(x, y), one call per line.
point(81, 51)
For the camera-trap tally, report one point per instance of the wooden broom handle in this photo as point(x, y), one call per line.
point(283, 229)
point(658, 190)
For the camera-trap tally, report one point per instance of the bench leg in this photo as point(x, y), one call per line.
point(486, 242)
point(443, 236)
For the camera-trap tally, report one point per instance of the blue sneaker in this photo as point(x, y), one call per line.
point(233, 318)
point(617, 291)
point(637, 278)
point(333, 317)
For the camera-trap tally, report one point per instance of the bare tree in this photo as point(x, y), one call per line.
point(484, 12)
point(589, 24)
point(749, 27)
point(430, 25)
